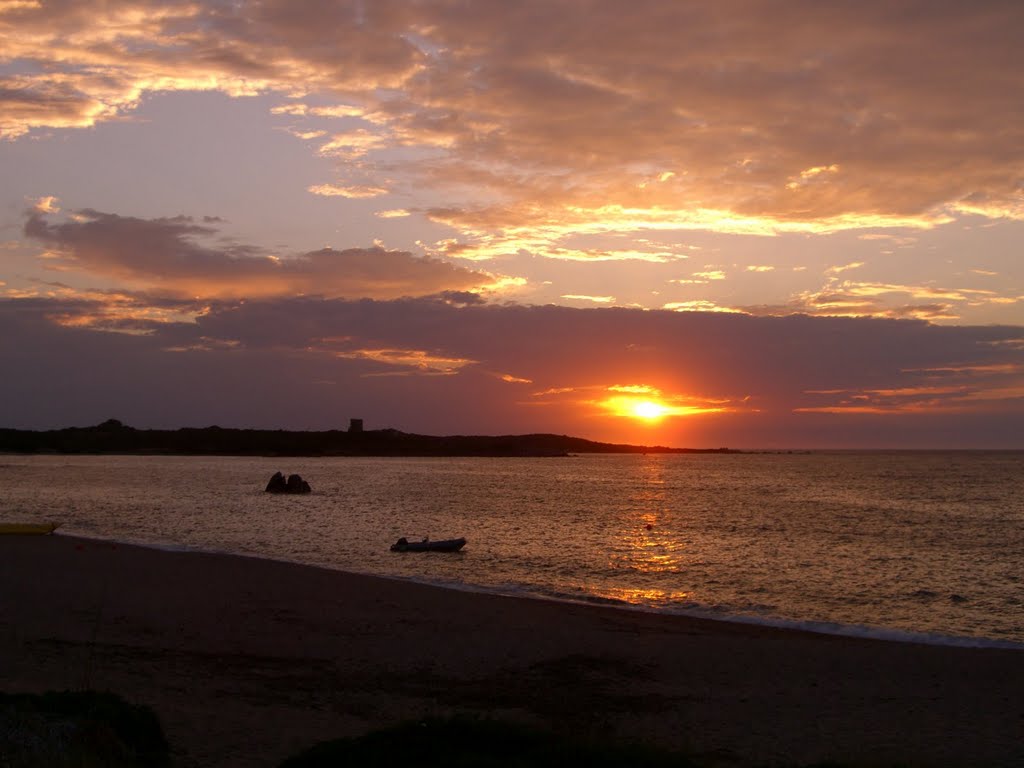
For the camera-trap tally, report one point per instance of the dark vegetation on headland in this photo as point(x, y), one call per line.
point(114, 437)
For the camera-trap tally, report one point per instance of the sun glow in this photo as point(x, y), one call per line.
point(641, 408)
point(649, 410)
point(646, 404)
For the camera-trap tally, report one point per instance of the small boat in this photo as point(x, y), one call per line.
point(28, 529)
point(441, 545)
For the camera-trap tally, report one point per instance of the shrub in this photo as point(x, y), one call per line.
point(461, 743)
point(84, 729)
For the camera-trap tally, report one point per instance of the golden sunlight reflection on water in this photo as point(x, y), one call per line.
point(928, 541)
point(648, 540)
point(645, 597)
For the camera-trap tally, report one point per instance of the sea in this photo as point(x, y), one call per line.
point(906, 546)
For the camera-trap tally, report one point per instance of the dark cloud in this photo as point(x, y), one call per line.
point(426, 365)
point(168, 255)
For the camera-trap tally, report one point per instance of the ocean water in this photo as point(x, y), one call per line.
point(923, 546)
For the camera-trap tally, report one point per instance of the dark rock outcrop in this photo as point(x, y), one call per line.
point(297, 485)
point(294, 484)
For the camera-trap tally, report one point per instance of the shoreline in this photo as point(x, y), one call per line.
point(221, 645)
point(810, 626)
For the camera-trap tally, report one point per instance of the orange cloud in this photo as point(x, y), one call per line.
point(700, 305)
point(354, 192)
point(514, 379)
point(592, 299)
point(971, 388)
point(410, 361)
point(691, 117)
point(110, 311)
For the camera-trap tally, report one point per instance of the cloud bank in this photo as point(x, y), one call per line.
point(435, 366)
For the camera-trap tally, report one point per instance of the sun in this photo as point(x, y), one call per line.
point(645, 404)
point(648, 410)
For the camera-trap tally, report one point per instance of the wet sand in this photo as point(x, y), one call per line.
point(248, 661)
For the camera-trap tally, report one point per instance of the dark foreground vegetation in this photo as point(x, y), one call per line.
point(447, 743)
point(79, 729)
point(89, 729)
point(114, 437)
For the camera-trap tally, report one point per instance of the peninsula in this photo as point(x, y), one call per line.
point(113, 437)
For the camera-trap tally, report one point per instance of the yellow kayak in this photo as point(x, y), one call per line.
point(28, 528)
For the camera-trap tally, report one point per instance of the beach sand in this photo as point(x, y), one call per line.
point(248, 661)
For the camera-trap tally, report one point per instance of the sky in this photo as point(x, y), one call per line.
point(745, 223)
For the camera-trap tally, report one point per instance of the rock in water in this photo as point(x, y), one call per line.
point(277, 484)
point(294, 484)
point(297, 485)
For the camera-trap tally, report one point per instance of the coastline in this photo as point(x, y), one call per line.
point(812, 626)
point(113, 437)
point(221, 645)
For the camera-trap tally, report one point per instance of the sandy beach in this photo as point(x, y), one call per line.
point(248, 661)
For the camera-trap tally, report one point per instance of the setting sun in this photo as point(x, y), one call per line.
point(649, 410)
point(644, 409)
point(654, 406)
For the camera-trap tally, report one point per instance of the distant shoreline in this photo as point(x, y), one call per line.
point(113, 437)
